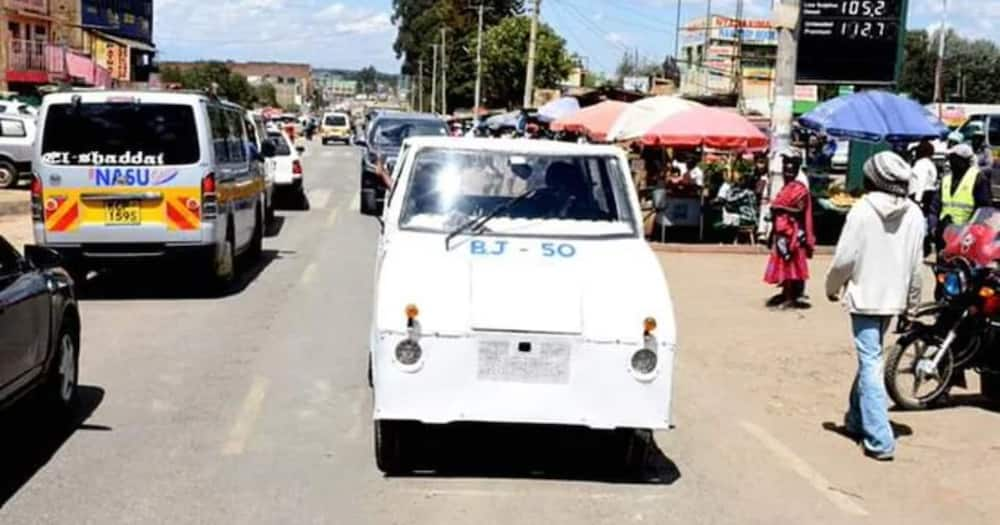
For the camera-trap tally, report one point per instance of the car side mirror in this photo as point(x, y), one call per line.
point(42, 258)
point(361, 143)
point(267, 149)
point(300, 149)
point(371, 204)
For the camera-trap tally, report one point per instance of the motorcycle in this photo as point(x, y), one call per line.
point(961, 330)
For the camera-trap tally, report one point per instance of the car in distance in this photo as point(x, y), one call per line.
point(17, 138)
point(335, 127)
point(39, 328)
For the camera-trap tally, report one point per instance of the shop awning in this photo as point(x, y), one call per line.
point(128, 42)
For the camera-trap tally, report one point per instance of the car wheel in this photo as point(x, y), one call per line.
point(391, 452)
point(8, 175)
point(990, 385)
point(223, 268)
point(64, 371)
point(257, 241)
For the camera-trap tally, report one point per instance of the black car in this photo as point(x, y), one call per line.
point(385, 137)
point(39, 328)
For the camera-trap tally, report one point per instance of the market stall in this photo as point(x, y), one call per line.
point(593, 121)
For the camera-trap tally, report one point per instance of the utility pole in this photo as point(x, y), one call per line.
point(479, 65)
point(677, 33)
point(444, 72)
point(787, 18)
point(434, 79)
point(529, 81)
point(420, 85)
point(939, 69)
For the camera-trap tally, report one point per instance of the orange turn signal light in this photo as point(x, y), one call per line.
point(412, 311)
point(987, 292)
point(649, 325)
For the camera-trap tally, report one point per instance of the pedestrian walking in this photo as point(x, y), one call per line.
point(876, 269)
point(793, 237)
point(925, 174)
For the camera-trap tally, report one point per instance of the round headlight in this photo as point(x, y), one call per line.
point(644, 361)
point(954, 284)
point(408, 352)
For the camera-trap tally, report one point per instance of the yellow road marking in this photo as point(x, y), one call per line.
point(331, 220)
point(249, 412)
point(800, 467)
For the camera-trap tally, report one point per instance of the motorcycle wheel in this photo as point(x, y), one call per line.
point(909, 389)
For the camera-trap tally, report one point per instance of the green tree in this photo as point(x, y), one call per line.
point(505, 56)
point(368, 79)
point(208, 75)
point(971, 68)
point(419, 23)
point(265, 95)
point(631, 66)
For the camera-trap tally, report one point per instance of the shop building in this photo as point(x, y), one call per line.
point(725, 56)
point(41, 43)
point(119, 35)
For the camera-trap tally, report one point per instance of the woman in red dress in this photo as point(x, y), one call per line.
point(793, 238)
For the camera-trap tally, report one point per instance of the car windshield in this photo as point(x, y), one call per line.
point(335, 120)
point(85, 134)
point(567, 195)
point(394, 132)
point(281, 147)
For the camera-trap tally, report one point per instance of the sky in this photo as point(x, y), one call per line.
point(355, 33)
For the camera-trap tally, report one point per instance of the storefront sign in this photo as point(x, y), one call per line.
point(807, 93)
point(845, 90)
point(113, 57)
point(854, 41)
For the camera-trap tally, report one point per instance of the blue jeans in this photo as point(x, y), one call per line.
point(868, 416)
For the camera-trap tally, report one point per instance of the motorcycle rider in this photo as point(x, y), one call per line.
point(877, 267)
point(963, 191)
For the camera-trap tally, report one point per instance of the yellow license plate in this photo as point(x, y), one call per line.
point(122, 213)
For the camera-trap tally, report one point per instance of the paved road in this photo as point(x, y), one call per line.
point(254, 408)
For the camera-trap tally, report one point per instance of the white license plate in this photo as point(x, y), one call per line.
point(547, 362)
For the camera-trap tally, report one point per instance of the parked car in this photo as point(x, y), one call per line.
point(384, 137)
point(126, 176)
point(514, 286)
point(256, 137)
point(17, 138)
point(39, 328)
point(285, 163)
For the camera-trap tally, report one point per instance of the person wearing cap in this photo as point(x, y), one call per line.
point(793, 237)
point(984, 154)
point(963, 191)
point(876, 270)
point(955, 138)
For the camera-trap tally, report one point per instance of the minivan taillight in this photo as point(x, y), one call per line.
point(209, 199)
point(296, 168)
point(37, 212)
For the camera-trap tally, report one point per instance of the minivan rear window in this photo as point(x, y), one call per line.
point(335, 120)
point(92, 134)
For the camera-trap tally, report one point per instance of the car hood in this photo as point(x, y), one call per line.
point(601, 290)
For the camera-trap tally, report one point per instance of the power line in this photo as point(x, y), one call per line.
point(592, 25)
point(579, 41)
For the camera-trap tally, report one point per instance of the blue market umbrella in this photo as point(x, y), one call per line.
point(874, 116)
point(559, 108)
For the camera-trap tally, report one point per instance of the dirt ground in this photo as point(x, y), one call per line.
point(16, 229)
point(790, 373)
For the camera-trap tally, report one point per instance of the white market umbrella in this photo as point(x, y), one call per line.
point(642, 115)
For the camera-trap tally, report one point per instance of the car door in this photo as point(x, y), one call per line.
point(247, 183)
point(23, 318)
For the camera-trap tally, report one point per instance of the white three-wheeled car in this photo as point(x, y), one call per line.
point(513, 285)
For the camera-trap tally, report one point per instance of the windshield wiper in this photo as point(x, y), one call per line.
point(475, 225)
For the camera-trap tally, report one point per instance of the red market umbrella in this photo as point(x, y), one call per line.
point(595, 121)
point(706, 127)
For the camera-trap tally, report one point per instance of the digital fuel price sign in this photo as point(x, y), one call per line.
point(850, 41)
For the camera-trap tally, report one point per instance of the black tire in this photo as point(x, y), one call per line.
point(62, 384)
point(371, 379)
point(635, 446)
point(895, 367)
point(269, 212)
point(9, 175)
point(257, 241)
point(391, 447)
point(222, 269)
point(990, 386)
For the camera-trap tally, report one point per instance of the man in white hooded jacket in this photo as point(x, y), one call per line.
point(877, 268)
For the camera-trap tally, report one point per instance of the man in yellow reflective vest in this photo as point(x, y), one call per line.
point(963, 191)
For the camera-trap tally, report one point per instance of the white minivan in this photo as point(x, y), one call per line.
point(513, 285)
point(126, 176)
